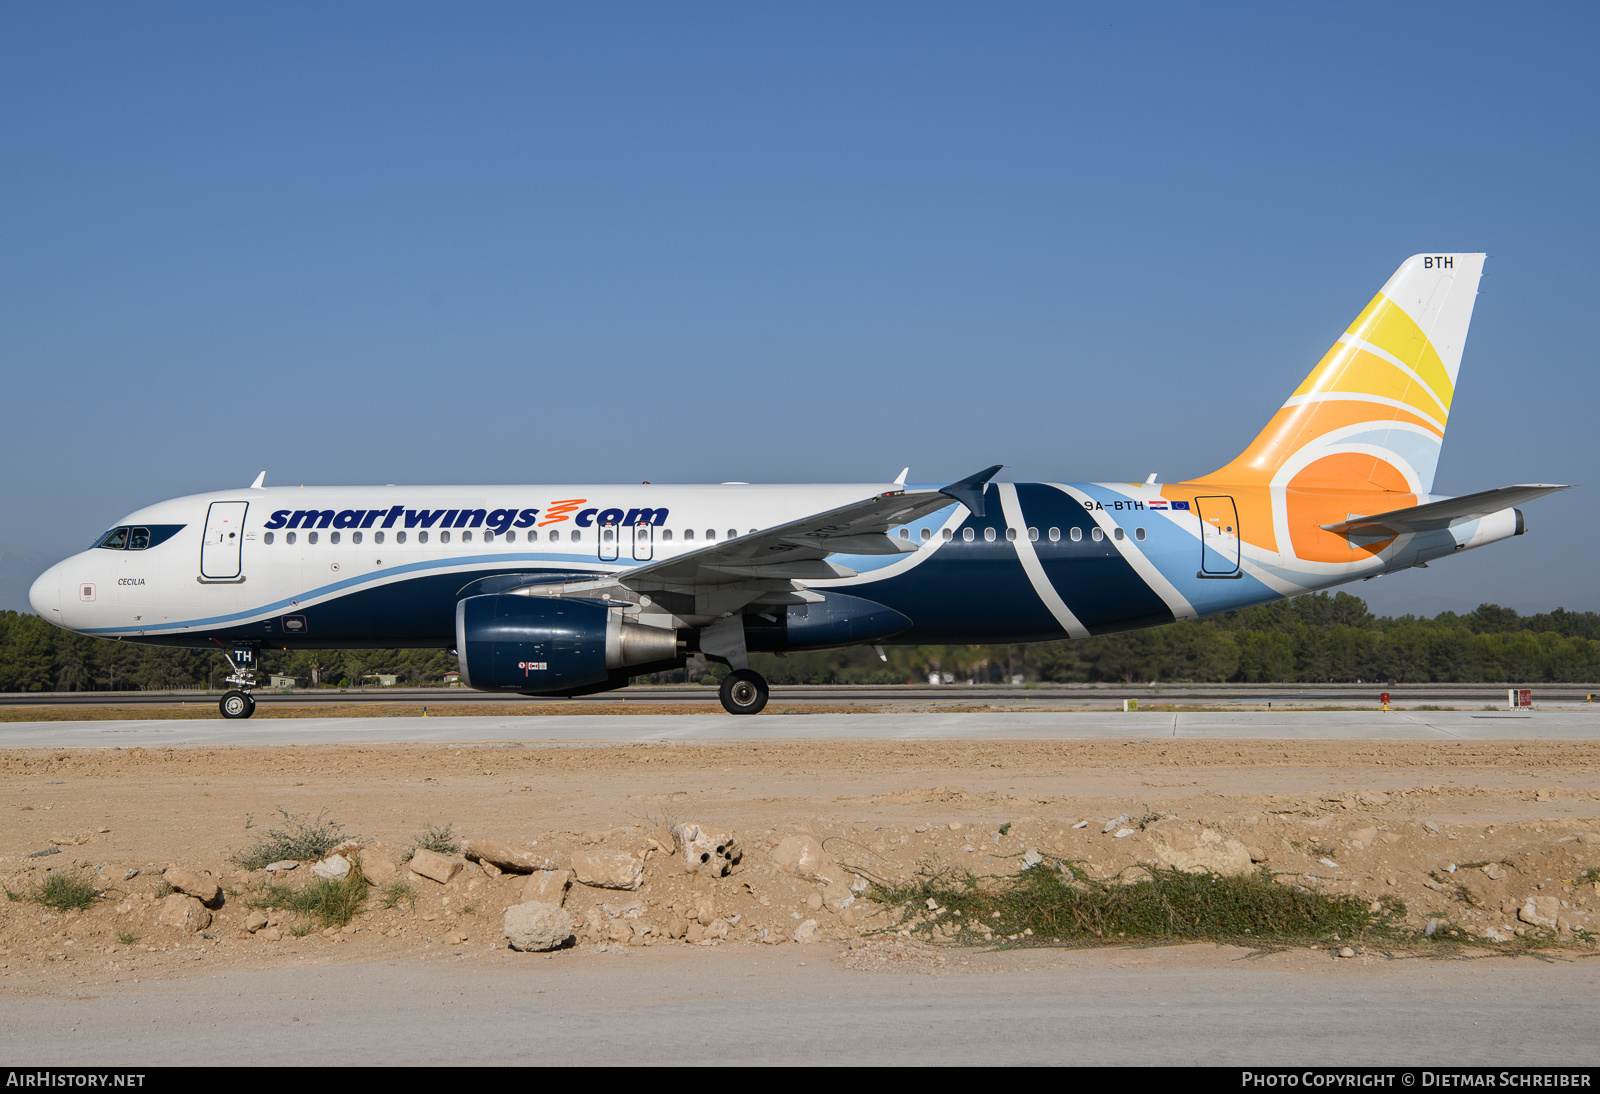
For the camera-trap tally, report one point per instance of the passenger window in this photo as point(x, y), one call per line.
point(555, 535)
point(1138, 533)
point(466, 537)
point(688, 534)
point(267, 539)
point(1117, 534)
point(577, 535)
point(733, 533)
point(333, 537)
point(607, 534)
point(444, 537)
point(752, 531)
point(312, 538)
point(139, 539)
point(289, 538)
point(377, 537)
point(511, 537)
point(905, 533)
point(399, 537)
point(988, 535)
point(948, 535)
point(355, 537)
point(711, 533)
point(927, 534)
point(1033, 535)
point(422, 537)
point(1077, 534)
point(968, 535)
point(666, 535)
point(1011, 535)
point(1097, 534)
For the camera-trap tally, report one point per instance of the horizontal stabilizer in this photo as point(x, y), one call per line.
point(1441, 514)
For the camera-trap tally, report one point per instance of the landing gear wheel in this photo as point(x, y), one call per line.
point(743, 692)
point(237, 704)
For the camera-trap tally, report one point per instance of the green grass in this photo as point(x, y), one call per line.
point(331, 903)
point(301, 839)
point(1591, 876)
point(399, 892)
point(64, 892)
point(1168, 906)
point(443, 841)
point(127, 938)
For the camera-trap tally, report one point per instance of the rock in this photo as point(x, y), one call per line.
point(505, 857)
point(1347, 952)
point(1494, 871)
point(255, 921)
point(1372, 797)
point(806, 932)
point(537, 926)
point(705, 852)
point(1112, 824)
point(435, 867)
point(1540, 911)
point(202, 889)
point(130, 874)
point(1256, 854)
point(332, 868)
point(1431, 826)
point(1365, 837)
point(804, 857)
point(184, 912)
point(608, 869)
point(547, 887)
point(814, 902)
point(270, 934)
point(1193, 848)
point(1031, 858)
point(378, 866)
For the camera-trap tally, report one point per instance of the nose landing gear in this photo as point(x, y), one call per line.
point(239, 703)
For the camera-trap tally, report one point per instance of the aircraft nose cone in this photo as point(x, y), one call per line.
point(45, 595)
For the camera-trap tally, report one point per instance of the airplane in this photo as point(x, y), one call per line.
point(574, 589)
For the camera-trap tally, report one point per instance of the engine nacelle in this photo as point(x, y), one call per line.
point(506, 642)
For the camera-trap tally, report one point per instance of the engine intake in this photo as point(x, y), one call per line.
point(534, 644)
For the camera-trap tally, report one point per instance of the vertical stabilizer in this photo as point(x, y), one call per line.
point(1372, 414)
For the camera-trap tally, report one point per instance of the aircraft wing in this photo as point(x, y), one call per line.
point(1441, 514)
point(796, 551)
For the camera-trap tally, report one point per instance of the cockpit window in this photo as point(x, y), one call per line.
point(138, 539)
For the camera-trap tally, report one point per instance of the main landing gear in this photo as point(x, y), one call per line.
point(743, 691)
point(239, 703)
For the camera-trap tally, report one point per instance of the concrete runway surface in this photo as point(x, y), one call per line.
point(605, 729)
point(800, 1005)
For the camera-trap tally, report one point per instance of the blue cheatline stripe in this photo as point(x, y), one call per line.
point(544, 562)
point(1175, 551)
point(1093, 579)
point(966, 592)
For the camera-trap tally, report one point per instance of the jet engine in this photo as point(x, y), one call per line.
point(536, 644)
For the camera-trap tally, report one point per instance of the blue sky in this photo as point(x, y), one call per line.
point(543, 243)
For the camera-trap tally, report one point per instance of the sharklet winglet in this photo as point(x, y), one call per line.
point(969, 491)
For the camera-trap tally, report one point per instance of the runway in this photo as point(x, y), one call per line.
point(599, 729)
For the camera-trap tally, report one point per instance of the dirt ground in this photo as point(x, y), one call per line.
point(1495, 839)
